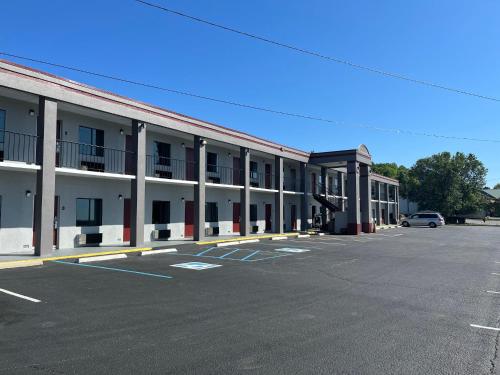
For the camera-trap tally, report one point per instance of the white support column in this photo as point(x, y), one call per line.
point(353, 217)
point(304, 188)
point(199, 189)
point(245, 192)
point(138, 185)
point(366, 198)
point(387, 205)
point(278, 196)
point(324, 190)
point(45, 177)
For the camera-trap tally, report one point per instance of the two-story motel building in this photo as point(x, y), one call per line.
point(81, 166)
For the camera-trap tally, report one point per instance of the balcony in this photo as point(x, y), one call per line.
point(168, 168)
point(17, 147)
point(291, 184)
point(93, 158)
point(262, 180)
point(217, 174)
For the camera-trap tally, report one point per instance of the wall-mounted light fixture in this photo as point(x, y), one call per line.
point(182, 199)
point(203, 142)
point(120, 197)
point(28, 193)
point(31, 112)
point(229, 201)
point(183, 145)
point(121, 131)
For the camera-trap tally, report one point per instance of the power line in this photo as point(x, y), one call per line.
point(320, 55)
point(248, 106)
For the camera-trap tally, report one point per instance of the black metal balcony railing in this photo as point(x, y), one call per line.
point(161, 167)
point(93, 158)
point(17, 147)
point(320, 190)
point(222, 175)
point(262, 180)
point(291, 184)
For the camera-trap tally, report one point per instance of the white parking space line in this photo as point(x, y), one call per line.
point(323, 242)
point(101, 258)
point(485, 327)
point(492, 292)
point(495, 273)
point(19, 295)
point(274, 245)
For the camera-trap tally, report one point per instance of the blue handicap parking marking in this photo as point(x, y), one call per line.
point(114, 269)
point(292, 250)
point(236, 254)
point(197, 266)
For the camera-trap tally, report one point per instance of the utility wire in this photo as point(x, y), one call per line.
point(248, 106)
point(320, 55)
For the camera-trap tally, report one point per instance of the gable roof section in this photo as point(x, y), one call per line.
point(492, 193)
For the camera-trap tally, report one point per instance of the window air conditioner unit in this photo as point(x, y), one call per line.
point(89, 239)
point(162, 234)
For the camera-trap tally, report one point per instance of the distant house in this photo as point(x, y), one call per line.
point(493, 195)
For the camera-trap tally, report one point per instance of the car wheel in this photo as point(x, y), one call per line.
point(405, 224)
point(432, 225)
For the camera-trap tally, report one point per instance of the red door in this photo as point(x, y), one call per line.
point(293, 215)
point(189, 165)
point(268, 177)
point(126, 219)
point(236, 171)
point(189, 219)
point(236, 217)
point(129, 156)
point(313, 183)
point(269, 210)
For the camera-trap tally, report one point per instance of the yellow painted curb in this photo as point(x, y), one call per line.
point(36, 262)
point(86, 255)
point(21, 263)
point(246, 238)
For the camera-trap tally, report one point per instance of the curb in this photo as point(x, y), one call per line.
point(99, 258)
point(241, 239)
point(159, 251)
point(21, 263)
point(40, 261)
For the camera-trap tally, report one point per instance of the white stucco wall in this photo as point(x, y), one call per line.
point(71, 188)
point(16, 221)
point(174, 194)
point(17, 116)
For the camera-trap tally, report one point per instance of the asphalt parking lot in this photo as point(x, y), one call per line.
point(399, 301)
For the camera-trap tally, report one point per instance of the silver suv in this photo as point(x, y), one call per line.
point(427, 219)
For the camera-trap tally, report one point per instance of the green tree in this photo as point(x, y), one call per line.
point(450, 184)
point(497, 186)
point(392, 170)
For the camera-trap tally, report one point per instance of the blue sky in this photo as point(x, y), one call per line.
point(453, 43)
